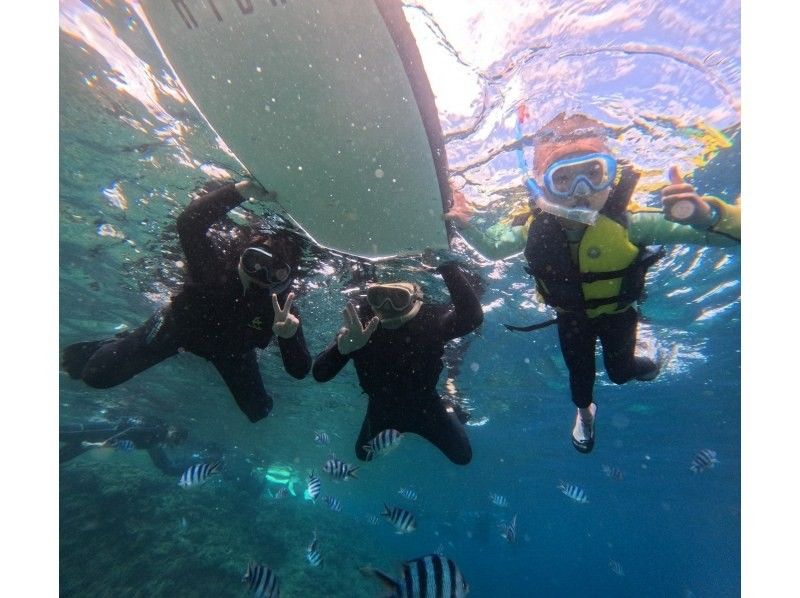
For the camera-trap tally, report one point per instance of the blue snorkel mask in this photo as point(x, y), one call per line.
point(571, 178)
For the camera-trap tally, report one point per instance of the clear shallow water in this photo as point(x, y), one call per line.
point(131, 151)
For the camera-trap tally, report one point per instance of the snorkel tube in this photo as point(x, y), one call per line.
point(585, 216)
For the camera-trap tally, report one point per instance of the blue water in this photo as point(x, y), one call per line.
point(128, 530)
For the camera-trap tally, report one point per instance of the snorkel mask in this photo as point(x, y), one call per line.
point(574, 178)
point(395, 303)
point(259, 267)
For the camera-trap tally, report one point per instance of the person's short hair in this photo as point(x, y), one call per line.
point(567, 134)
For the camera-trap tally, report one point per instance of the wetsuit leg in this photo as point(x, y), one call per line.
point(129, 354)
point(428, 418)
point(438, 423)
point(618, 334)
point(241, 374)
point(379, 417)
point(578, 339)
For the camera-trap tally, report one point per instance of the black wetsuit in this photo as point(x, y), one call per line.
point(399, 368)
point(552, 257)
point(210, 317)
point(145, 434)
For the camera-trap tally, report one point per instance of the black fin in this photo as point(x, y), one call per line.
point(75, 356)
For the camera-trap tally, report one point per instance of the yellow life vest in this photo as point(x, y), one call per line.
point(605, 248)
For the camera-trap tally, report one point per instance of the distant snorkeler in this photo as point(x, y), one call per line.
point(585, 244)
point(235, 297)
point(133, 433)
point(396, 341)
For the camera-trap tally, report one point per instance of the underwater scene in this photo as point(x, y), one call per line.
point(473, 171)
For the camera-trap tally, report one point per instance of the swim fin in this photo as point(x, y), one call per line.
point(75, 356)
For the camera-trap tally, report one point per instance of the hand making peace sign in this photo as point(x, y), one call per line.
point(352, 336)
point(285, 324)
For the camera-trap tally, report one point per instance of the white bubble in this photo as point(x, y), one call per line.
point(378, 173)
point(474, 366)
point(527, 360)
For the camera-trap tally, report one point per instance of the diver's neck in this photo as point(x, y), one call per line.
point(574, 230)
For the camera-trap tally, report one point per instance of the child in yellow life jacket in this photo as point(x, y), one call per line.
point(586, 247)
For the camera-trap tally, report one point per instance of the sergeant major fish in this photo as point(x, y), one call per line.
point(613, 472)
point(705, 459)
point(498, 500)
point(385, 441)
point(321, 438)
point(313, 486)
point(313, 555)
point(333, 503)
point(403, 521)
point(339, 470)
point(574, 492)
point(510, 530)
point(261, 581)
point(198, 474)
point(427, 576)
point(408, 493)
point(124, 445)
point(616, 568)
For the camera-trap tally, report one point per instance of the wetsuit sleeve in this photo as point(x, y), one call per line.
point(650, 227)
point(196, 219)
point(498, 242)
point(467, 313)
point(329, 363)
point(296, 359)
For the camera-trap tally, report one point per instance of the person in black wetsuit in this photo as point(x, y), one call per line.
point(235, 297)
point(149, 434)
point(396, 342)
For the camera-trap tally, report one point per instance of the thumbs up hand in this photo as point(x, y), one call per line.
point(682, 204)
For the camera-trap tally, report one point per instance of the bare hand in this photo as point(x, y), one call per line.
point(285, 324)
point(682, 204)
point(461, 212)
point(253, 191)
point(352, 336)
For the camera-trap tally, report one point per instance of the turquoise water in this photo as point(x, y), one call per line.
point(127, 167)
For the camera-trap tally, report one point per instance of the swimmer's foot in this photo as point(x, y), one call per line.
point(583, 431)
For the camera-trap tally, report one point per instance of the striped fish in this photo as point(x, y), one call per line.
point(403, 521)
point(498, 500)
point(313, 556)
point(613, 472)
point(262, 581)
point(321, 438)
point(384, 442)
point(616, 568)
point(373, 519)
point(124, 445)
point(705, 459)
point(574, 492)
point(198, 474)
point(333, 503)
point(408, 493)
point(281, 493)
point(339, 470)
point(313, 486)
point(510, 530)
point(428, 576)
